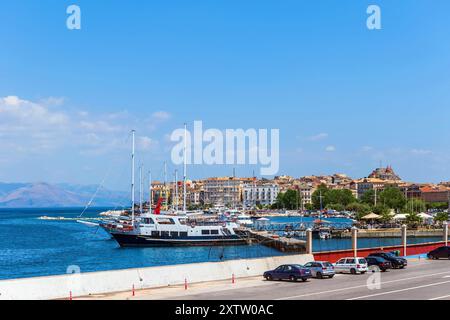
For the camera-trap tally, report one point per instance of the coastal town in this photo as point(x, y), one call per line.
point(308, 192)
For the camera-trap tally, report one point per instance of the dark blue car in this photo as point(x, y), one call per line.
point(291, 272)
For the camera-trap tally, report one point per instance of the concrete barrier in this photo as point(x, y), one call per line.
point(95, 283)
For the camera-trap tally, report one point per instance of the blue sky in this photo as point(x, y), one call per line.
point(344, 97)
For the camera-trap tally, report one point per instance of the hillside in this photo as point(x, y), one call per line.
point(42, 195)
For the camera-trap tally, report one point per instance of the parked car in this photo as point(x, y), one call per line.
point(397, 262)
point(351, 265)
point(380, 262)
point(291, 272)
point(441, 252)
point(321, 269)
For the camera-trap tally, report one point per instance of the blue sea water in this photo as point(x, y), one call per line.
point(30, 247)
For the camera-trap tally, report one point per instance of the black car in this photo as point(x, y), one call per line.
point(442, 252)
point(397, 262)
point(291, 272)
point(380, 262)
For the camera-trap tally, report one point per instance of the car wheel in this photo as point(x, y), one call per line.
point(319, 275)
point(353, 271)
point(363, 272)
point(304, 279)
point(331, 277)
point(269, 278)
point(292, 278)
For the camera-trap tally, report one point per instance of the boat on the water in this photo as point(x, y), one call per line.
point(155, 230)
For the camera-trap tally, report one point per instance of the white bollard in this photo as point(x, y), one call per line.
point(404, 239)
point(355, 241)
point(446, 233)
point(309, 241)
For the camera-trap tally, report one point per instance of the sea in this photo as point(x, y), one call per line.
point(31, 247)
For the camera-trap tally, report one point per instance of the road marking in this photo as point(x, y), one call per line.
point(439, 298)
point(360, 286)
point(399, 290)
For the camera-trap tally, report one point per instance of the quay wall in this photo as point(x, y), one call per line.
point(412, 249)
point(97, 283)
point(393, 233)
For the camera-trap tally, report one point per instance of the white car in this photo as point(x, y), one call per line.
point(351, 265)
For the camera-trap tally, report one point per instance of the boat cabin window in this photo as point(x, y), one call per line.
point(155, 234)
point(165, 234)
point(214, 231)
point(205, 232)
point(183, 234)
point(148, 221)
point(165, 221)
point(174, 234)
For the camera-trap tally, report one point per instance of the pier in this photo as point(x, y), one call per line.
point(283, 244)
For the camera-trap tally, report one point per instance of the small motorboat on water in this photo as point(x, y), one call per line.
point(244, 220)
point(325, 234)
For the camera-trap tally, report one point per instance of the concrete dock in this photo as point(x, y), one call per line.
point(282, 244)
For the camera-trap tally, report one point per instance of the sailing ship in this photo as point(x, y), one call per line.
point(157, 229)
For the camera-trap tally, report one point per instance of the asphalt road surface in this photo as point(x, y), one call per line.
point(421, 280)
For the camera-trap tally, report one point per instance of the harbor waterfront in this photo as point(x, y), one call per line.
point(31, 247)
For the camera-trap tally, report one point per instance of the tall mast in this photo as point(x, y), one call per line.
point(132, 179)
point(141, 189)
point(185, 168)
point(176, 190)
point(150, 191)
point(165, 186)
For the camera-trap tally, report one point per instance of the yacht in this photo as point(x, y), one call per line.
point(156, 230)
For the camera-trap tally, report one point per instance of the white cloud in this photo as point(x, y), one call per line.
point(330, 149)
point(161, 116)
point(421, 152)
point(29, 128)
point(318, 137)
point(367, 148)
point(146, 143)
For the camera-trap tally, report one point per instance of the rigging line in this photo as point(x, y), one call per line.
point(101, 184)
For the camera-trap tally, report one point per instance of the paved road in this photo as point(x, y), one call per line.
point(422, 280)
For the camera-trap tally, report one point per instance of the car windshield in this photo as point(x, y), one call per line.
point(298, 266)
point(327, 264)
point(362, 261)
point(391, 255)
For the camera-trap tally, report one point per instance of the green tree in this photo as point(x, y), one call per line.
point(415, 205)
point(368, 197)
point(393, 198)
point(289, 200)
point(437, 205)
point(336, 206)
point(441, 217)
point(413, 219)
point(337, 196)
point(316, 196)
point(360, 209)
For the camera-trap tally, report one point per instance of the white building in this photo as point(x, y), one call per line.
point(262, 194)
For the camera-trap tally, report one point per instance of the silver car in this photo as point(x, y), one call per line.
point(321, 269)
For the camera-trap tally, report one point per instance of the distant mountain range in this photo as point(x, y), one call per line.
point(44, 195)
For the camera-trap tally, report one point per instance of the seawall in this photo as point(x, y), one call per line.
point(394, 233)
point(93, 283)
